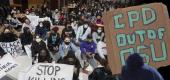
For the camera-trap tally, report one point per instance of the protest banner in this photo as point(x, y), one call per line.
point(140, 29)
point(14, 48)
point(50, 71)
point(7, 64)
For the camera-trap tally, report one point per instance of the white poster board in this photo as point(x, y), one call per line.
point(7, 64)
point(14, 48)
point(50, 71)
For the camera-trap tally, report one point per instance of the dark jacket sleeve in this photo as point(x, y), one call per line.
point(2, 52)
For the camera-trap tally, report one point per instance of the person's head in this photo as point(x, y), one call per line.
point(27, 21)
point(38, 39)
point(98, 17)
point(43, 52)
point(89, 38)
point(70, 58)
point(86, 25)
point(54, 30)
point(134, 61)
point(67, 40)
point(40, 24)
point(7, 30)
point(14, 8)
point(26, 30)
point(100, 30)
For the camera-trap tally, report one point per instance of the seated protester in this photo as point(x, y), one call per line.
point(71, 59)
point(66, 46)
point(37, 45)
point(135, 69)
point(53, 40)
point(53, 43)
point(2, 52)
point(82, 32)
point(99, 20)
point(88, 48)
point(41, 31)
point(28, 24)
point(26, 37)
point(44, 56)
point(8, 35)
point(102, 72)
point(55, 16)
point(99, 34)
point(47, 23)
point(68, 31)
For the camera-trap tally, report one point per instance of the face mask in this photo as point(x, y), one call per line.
point(41, 25)
point(38, 40)
point(99, 31)
point(89, 40)
point(85, 26)
point(67, 43)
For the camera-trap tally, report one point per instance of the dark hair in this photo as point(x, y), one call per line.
point(134, 61)
point(25, 29)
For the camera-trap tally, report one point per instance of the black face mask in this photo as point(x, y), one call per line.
point(67, 43)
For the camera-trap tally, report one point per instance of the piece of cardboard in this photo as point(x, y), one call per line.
point(155, 40)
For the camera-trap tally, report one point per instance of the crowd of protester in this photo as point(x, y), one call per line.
point(81, 42)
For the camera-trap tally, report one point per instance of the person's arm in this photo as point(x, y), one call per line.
point(82, 47)
point(74, 47)
point(78, 34)
point(94, 47)
point(99, 50)
point(94, 37)
point(88, 31)
point(61, 52)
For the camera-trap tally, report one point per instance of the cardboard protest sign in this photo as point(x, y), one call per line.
point(7, 64)
point(50, 71)
point(14, 48)
point(142, 29)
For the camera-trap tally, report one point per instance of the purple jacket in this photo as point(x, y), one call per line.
point(87, 47)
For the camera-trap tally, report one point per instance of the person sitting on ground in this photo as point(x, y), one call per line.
point(68, 31)
point(53, 43)
point(82, 32)
point(26, 37)
point(41, 31)
point(135, 69)
point(66, 46)
point(37, 45)
point(99, 34)
point(88, 50)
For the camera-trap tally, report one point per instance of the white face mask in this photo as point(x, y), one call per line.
point(38, 40)
point(99, 31)
point(86, 26)
point(41, 25)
